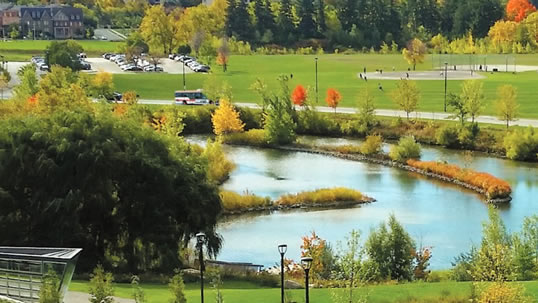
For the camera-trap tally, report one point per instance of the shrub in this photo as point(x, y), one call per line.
point(253, 137)
point(312, 122)
point(462, 266)
point(50, 289)
point(252, 118)
point(521, 144)
point(101, 290)
point(501, 292)
point(319, 196)
point(177, 288)
point(407, 148)
point(466, 137)
point(198, 119)
point(372, 145)
point(232, 201)
point(447, 136)
point(220, 166)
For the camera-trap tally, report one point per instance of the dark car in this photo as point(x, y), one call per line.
point(113, 97)
point(107, 56)
point(85, 65)
point(133, 69)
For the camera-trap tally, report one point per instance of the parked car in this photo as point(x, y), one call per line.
point(133, 68)
point(153, 68)
point(82, 56)
point(85, 65)
point(172, 56)
point(202, 69)
point(107, 56)
point(44, 68)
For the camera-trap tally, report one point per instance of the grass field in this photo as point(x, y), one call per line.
point(23, 50)
point(336, 71)
point(245, 292)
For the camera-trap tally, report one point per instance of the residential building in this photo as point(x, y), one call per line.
point(51, 22)
point(10, 15)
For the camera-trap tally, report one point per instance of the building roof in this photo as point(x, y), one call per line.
point(39, 253)
point(51, 10)
point(233, 263)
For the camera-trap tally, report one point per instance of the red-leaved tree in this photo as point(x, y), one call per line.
point(518, 10)
point(333, 98)
point(299, 95)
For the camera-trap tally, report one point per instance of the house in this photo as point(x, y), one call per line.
point(56, 22)
point(9, 17)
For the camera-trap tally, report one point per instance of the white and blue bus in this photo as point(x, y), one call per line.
point(191, 97)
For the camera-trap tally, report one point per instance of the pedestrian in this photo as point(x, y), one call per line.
point(407, 74)
point(380, 87)
point(365, 79)
point(291, 76)
point(364, 70)
point(381, 71)
point(360, 75)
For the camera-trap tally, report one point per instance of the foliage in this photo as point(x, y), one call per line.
point(389, 251)
point(138, 293)
point(253, 137)
point(232, 201)
point(223, 54)
point(350, 264)
point(103, 85)
point(299, 95)
point(333, 98)
point(407, 148)
point(101, 289)
point(49, 292)
point(160, 29)
point(322, 196)
point(473, 96)
point(457, 103)
point(366, 110)
point(422, 258)
point(220, 166)
point(177, 288)
point(130, 97)
point(63, 53)
point(493, 187)
point(507, 106)
point(462, 266)
point(313, 246)
point(226, 119)
point(278, 123)
point(501, 292)
point(372, 145)
point(517, 10)
point(406, 96)
point(447, 136)
point(216, 90)
point(215, 280)
point(415, 52)
point(521, 144)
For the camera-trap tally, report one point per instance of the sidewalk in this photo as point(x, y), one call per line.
point(80, 297)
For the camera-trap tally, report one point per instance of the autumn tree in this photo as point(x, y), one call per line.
point(458, 105)
point(507, 106)
point(130, 97)
point(159, 29)
point(406, 96)
point(517, 10)
point(103, 85)
point(313, 246)
point(472, 93)
point(333, 98)
point(226, 119)
point(223, 54)
point(503, 32)
point(299, 95)
point(350, 264)
point(415, 52)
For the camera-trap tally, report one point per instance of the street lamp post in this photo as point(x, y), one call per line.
point(446, 71)
point(184, 83)
point(282, 250)
point(306, 263)
point(200, 239)
point(316, 79)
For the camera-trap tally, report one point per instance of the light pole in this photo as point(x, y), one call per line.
point(306, 263)
point(200, 239)
point(184, 83)
point(282, 250)
point(316, 79)
point(446, 71)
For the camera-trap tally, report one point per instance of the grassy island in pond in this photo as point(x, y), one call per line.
point(328, 197)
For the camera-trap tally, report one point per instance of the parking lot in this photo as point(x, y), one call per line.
point(168, 65)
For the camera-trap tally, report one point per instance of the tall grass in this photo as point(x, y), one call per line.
point(253, 137)
point(322, 196)
point(220, 166)
point(232, 202)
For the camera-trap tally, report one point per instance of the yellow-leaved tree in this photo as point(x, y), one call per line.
point(507, 106)
point(226, 119)
point(415, 52)
point(103, 84)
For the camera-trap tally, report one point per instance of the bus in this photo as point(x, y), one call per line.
point(191, 97)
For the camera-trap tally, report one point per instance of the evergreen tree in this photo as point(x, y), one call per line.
point(242, 26)
point(320, 19)
point(230, 25)
point(264, 17)
point(285, 22)
point(307, 27)
point(348, 14)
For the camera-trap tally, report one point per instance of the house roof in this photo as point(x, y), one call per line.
point(51, 10)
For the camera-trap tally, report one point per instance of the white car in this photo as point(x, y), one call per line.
point(153, 68)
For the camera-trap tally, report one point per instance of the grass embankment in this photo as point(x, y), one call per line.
point(246, 292)
point(336, 71)
point(493, 187)
point(23, 50)
point(328, 197)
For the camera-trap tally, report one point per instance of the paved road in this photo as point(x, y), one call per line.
point(110, 35)
point(384, 112)
point(80, 297)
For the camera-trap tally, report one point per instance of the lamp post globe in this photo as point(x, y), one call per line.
point(306, 263)
point(282, 248)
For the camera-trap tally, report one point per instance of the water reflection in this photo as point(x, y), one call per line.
point(444, 216)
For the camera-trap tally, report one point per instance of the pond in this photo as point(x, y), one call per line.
point(439, 215)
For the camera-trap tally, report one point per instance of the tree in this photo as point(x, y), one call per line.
point(177, 288)
point(64, 53)
point(103, 85)
point(299, 95)
point(313, 246)
point(503, 32)
point(350, 263)
point(518, 10)
point(215, 89)
point(161, 30)
point(458, 105)
point(406, 96)
point(473, 96)
point(415, 52)
point(226, 119)
point(366, 110)
point(320, 18)
point(307, 28)
point(4, 83)
point(49, 292)
point(389, 248)
point(101, 289)
point(278, 122)
point(333, 98)
point(223, 54)
point(507, 106)
point(130, 97)
point(138, 293)
point(28, 82)
point(285, 23)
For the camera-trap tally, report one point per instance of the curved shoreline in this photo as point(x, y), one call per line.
point(390, 163)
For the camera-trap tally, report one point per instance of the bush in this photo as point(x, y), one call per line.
point(220, 166)
point(501, 292)
point(372, 145)
point(253, 137)
point(522, 144)
point(177, 288)
point(311, 122)
point(101, 290)
point(462, 267)
point(232, 201)
point(252, 118)
point(407, 148)
point(327, 195)
point(447, 136)
point(50, 289)
point(197, 119)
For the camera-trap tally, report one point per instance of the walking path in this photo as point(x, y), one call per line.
point(386, 113)
point(80, 297)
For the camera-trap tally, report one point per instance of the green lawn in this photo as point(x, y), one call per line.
point(23, 50)
point(336, 71)
point(245, 292)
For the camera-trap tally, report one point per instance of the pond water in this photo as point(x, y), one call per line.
point(439, 215)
